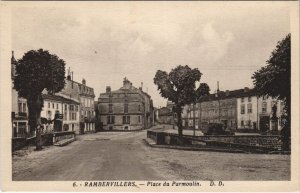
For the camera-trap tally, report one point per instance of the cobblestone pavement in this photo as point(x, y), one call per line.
point(124, 156)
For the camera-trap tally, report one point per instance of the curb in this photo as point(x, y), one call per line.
point(64, 142)
point(191, 148)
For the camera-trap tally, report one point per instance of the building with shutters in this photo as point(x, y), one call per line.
point(60, 114)
point(83, 94)
point(127, 108)
point(239, 109)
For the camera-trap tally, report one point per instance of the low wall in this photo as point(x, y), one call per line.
point(246, 142)
point(18, 143)
point(47, 139)
point(59, 136)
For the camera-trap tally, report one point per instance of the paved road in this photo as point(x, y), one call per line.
point(124, 156)
point(100, 156)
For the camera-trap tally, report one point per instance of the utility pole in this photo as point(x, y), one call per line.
point(218, 101)
point(194, 121)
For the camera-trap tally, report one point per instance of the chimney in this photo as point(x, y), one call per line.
point(227, 92)
point(108, 89)
point(218, 90)
point(246, 89)
point(126, 83)
point(83, 81)
point(69, 76)
point(72, 80)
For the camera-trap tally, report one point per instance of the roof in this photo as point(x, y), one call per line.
point(83, 89)
point(59, 98)
point(239, 93)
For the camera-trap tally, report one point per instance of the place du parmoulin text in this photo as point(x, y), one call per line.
point(149, 183)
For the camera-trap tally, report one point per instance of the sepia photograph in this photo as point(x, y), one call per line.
point(150, 95)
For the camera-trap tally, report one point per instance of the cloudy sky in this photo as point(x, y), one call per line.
point(106, 41)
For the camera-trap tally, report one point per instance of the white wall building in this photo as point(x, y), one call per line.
point(68, 108)
point(265, 113)
point(256, 112)
point(247, 114)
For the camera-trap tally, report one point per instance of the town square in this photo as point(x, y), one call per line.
point(164, 92)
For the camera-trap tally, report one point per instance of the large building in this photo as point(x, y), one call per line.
point(127, 108)
point(83, 94)
point(220, 107)
point(236, 110)
point(60, 114)
point(259, 113)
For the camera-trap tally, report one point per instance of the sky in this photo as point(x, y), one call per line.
point(107, 41)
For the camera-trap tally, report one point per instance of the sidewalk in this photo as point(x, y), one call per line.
point(151, 143)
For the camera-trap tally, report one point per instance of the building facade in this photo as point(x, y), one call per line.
point(270, 112)
point(237, 110)
point(127, 108)
point(60, 114)
point(83, 94)
point(87, 110)
point(247, 114)
point(220, 107)
point(165, 116)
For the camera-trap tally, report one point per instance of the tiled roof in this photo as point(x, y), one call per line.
point(59, 98)
point(229, 94)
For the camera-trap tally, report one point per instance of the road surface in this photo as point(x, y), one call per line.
point(124, 156)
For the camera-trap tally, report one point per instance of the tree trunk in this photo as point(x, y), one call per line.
point(179, 123)
point(34, 108)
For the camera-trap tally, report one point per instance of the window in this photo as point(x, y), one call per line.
point(249, 99)
point(52, 105)
point(265, 97)
point(65, 115)
point(20, 107)
point(139, 119)
point(249, 123)
point(264, 107)
point(139, 107)
point(49, 114)
point(110, 119)
point(125, 108)
point(281, 107)
point(126, 119)
point(242, 123)
point(56, 106)
point(110, 109)
point(243, 109)
point(76, 108)
point(242, 99)
point(225, 112)
point(66, 107)
point(249, 107)
point(48, 105)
